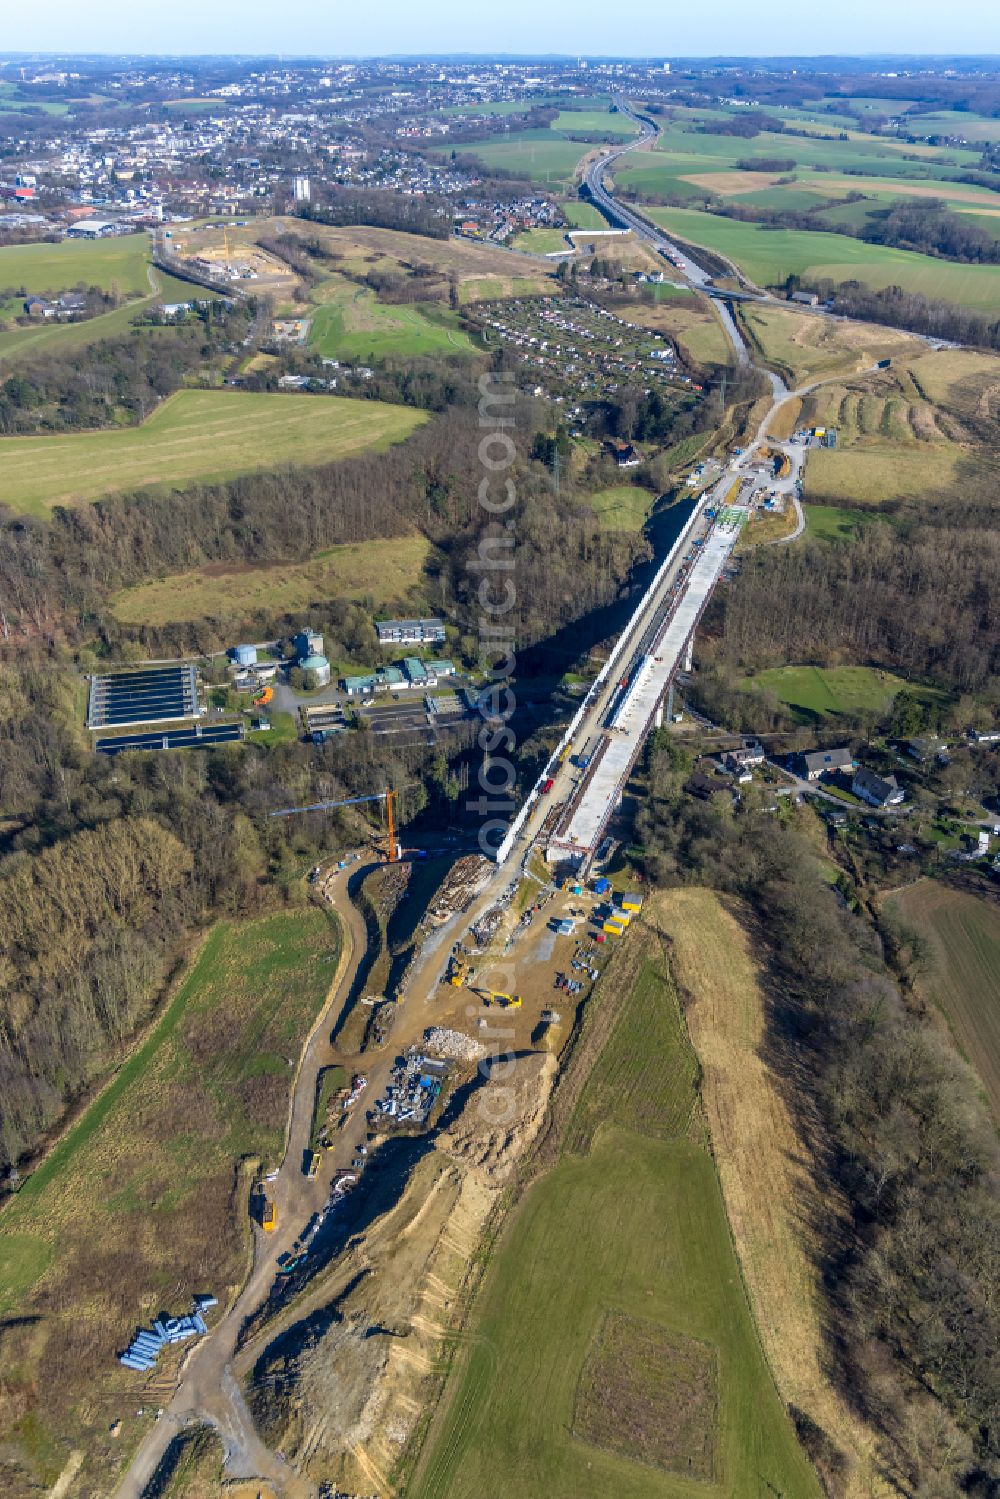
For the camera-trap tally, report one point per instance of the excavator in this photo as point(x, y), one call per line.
point(391, 852)
point(505, 1001)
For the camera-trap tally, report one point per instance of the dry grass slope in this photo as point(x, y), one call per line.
point(384, 571)
point(760, 1160)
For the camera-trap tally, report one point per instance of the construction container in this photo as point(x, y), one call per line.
point(621, 917)
point(614, 928)
point(600, 937)
point(631, 903)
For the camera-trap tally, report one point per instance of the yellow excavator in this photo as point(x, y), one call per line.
point(505, 1001)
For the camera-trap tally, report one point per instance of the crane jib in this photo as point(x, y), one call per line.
point(349, 801)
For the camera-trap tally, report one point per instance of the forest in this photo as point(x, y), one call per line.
point(119, 380)
point(917, 596)
point(429, 215)
point(918, 314)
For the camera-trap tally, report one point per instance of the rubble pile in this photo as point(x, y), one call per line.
point(453, 1045)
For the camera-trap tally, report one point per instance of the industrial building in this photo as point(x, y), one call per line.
point(410, 631)
point(308, 642)
point(414, 675)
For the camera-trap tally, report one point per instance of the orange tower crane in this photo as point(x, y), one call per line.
point(392, 843)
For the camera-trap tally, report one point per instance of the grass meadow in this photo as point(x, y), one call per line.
point(623, 507)
point(195, 436)
point(543, 156)
point(805, 347)
point(351, 323)
point(768, 257)
point(143, 1202)
point(386, 572)
point(762, 1162)
point(617, 1267)
point(814, 693)
point(44, 269)
point(63, 338)
point(963, 935)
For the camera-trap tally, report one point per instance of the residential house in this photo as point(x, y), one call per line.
point(876, 790)
point(819, 763)
point(624, 454)
point(923, 750)
point(745, 758)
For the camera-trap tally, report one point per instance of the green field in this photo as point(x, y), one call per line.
point(52, 337)
point(835, 522)
point(624, 507)
point(814, 693)
point(142, 1203)
point(594, 122)
point(873, 472)
point(47, 269)
point(617, 1277)
point(544, 157)
point(351, 323)
point(580, 215)
point(767, 257)
point(963, 933)
point(541, 241)
point(958, 122)
point(386, 572)
point(195, 435)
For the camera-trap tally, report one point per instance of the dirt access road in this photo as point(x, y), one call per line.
point(208, 1391)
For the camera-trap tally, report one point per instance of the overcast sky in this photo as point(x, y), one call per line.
point(643, 28)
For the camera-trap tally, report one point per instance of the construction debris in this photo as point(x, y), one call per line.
point(414, 1084)
point(459, 888)
point(453, 1044)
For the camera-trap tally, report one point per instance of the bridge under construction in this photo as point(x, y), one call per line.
point(637, 704)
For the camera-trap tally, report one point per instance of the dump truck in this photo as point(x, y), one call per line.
point(312, 1165)
point(269, 1216)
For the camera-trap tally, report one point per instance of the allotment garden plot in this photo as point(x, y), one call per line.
point(577, 352)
